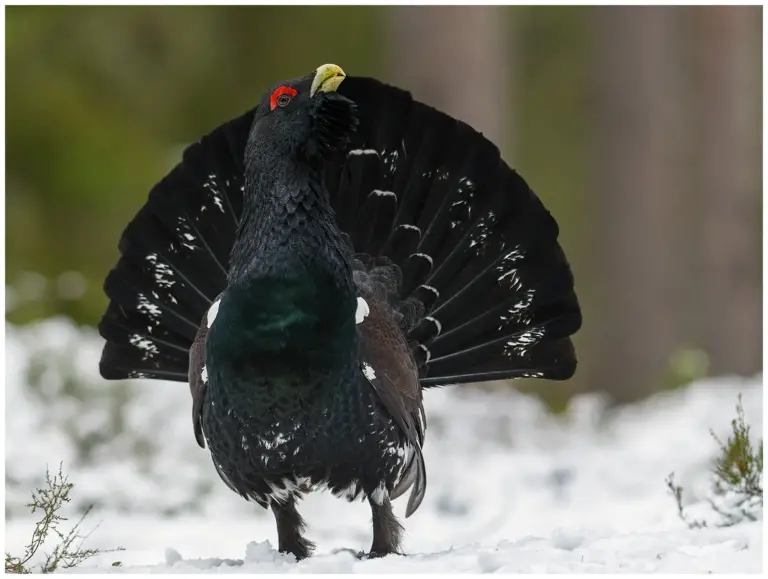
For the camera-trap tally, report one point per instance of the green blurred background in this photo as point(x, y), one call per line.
point(639, 127)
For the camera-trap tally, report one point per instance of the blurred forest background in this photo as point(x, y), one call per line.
point(639, 127)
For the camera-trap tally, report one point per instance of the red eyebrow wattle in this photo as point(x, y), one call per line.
point(279, 91)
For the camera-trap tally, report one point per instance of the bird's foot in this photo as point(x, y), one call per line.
point(299, 547)
point(362, 555)
point(377, 554)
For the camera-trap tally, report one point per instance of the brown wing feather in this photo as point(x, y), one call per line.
point(196, 383)
point(385, 349)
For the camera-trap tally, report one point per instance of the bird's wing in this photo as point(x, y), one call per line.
point(388, 365)
point(197, 372)
point(198, 380)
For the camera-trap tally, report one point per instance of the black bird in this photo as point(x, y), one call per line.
point(310, 266)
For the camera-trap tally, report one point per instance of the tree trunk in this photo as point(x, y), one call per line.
point(637, 177)
point(457, 59)
point(729, 182)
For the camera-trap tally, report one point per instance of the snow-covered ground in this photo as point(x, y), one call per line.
point(511, 489)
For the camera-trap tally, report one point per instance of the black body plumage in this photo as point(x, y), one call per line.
point(310, 268)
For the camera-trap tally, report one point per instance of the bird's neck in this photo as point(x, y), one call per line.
point(290, 279)
point(288, 227)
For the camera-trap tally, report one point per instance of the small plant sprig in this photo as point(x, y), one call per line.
point(737, 490)
point(69, 552)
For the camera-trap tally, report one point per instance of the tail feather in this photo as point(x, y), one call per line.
point(476, 247)
point(374, 222)
point(174, 259)
point(403, 242)
point(554, 360)
point(485, 290)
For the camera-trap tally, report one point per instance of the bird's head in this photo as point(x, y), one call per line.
point(304, 117)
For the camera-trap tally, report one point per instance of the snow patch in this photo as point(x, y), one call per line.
point(512, 489)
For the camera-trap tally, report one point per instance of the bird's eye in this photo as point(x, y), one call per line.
point(281, 96)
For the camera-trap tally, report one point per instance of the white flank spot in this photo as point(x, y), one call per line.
point(213, 312)
point(362, 310)
point(204, 375)
point(379, 494)
point(354, 152)
point(369, 371)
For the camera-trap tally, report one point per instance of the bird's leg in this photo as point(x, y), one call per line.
point(290, 526)
point(387, 531)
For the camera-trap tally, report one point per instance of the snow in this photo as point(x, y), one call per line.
point(510, 487)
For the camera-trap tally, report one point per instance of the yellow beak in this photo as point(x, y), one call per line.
point(327, 78)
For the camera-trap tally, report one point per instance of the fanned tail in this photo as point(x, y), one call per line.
point(174, 260)
point(481, 283)
point(477, 253)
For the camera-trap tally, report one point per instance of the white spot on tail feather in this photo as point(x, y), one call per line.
point(355, 152)
point(521, 343)
point(425, 256)
point(432, 289)
point(163, 272)
point(184, 230)
point(390, 161)
point(482, 229)
point(362, 310)
point(520, 312)
point(436, 322)
point(213, 312)
point(380, 193)
point(148, 347)
point(146, 307)
point(213, 186)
